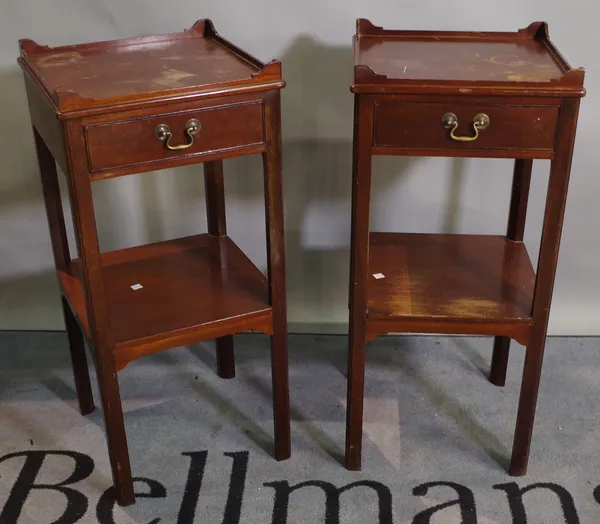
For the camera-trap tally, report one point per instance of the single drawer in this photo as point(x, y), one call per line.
point(448, 125)
point(167, 136)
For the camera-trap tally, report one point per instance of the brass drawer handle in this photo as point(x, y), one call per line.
point(480, 122)
point(163, 133)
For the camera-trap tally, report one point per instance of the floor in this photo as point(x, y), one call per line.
point(437, 436)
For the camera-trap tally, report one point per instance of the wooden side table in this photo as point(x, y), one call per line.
point(459, 94)
point(110, 109)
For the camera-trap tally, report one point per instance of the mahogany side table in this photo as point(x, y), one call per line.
point(459, 94)
point(109, 109)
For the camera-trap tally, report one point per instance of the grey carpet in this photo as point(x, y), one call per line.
point(436, 433)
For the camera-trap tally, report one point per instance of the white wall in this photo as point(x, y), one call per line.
point(313, 40)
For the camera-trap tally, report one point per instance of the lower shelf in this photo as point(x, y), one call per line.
point(471, 284)
point(193, 288)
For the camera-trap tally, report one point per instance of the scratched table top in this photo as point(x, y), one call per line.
point(459, 59)
point(138, 66)
point(526, 56)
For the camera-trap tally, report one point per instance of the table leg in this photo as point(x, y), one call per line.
point(548, 258)
point(60, 249)
point(359, 262)
point(79, 361)
point(214, 191)
point(515, 231)
point(276, 273)
point(82, 205)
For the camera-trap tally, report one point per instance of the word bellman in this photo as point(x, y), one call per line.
point(77, 508)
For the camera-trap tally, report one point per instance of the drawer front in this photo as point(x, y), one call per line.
point(126, 143)
point(421, 126)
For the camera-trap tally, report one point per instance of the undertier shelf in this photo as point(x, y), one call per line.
point(192, 288)
point(448, 283)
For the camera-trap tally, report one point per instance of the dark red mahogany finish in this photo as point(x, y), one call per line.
point(459, 94)
point(95, 110)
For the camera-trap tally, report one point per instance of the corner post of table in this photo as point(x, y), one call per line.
point(359, 262)
point(273, 183)
point(548, 258)
point(214, 192)
point(62, 257)
point(514, 231)
point(84, 222)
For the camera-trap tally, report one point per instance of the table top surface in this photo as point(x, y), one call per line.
point(525, 58)
point(456, 59)
point(195, 59)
